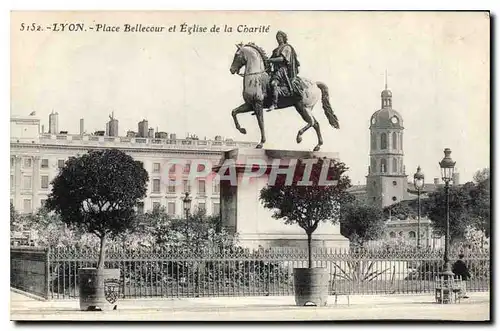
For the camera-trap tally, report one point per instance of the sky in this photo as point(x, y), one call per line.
point(438, 68)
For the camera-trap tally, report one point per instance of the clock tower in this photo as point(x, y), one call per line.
point(386, 182)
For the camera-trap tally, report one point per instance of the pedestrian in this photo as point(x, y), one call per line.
point(460, 269)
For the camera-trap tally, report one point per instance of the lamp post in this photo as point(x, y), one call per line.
point(418, 181)
point(447, 168)
point(187, 208)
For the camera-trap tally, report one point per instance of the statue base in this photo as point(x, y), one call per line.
point(243, 213)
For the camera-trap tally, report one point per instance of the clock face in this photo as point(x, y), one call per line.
point(394, 120)
point(373, 120)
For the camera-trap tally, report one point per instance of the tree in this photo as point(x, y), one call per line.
point(460, 217)
point(14, 218)
point(361, 222)
point(308, 205)
point(97, 193)
point(200, 232)
point(480, 203)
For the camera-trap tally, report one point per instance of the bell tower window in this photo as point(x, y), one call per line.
point(394, 140)
point(383, 165)
point(394, 165)
point(383, 141)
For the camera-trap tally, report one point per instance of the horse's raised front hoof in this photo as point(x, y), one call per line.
point(243, 130)
point(259, 146)
point(317, 148)
point(299, 139)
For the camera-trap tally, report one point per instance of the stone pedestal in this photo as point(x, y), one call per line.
point(242, 211)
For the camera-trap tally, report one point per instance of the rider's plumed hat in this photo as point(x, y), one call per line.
point(282, 34)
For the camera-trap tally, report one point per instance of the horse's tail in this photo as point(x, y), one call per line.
point(325, 100)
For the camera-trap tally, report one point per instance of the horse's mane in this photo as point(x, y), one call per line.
point(262, 53)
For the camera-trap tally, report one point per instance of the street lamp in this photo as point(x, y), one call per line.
point(447, 168)
point(187, 208)
point(418, 181)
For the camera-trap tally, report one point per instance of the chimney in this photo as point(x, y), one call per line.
point(436, 181)
point(456, 178)
point(82, 128)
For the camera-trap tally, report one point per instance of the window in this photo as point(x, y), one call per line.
point(373, 141)
point(201, 187)
point(27, 182)
point(156, 205)
point(400, 233)
point(201, 167)
point(27, 205)
point(45, 163)
point(394, 165)
point(171, 188)
point(156, 167)
point(383, 141)
point(171, 208)
point(394, 183)
point(12, 162)
point(373, 165)
point(156, 186)
point(412, 235)
point(216, 184)
point(27, 162)
point(187, 167)
point(401, 141)
point(394, 140)
point(216, 208)
point(202, 206)
point(60, 164)
point(383, 165)
point(11, 182)
point(172, 168)
point(392, 234)
point(394, 199)
point(42, 202)
point(187, 186)
point(45, 182)
point(140, 207)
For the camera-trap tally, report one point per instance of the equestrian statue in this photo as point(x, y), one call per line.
point(273, 83)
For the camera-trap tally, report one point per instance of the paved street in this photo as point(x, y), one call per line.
point(476, 308)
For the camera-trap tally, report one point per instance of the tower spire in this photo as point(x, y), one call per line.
point(386, 79)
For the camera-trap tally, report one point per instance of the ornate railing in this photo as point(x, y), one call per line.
point(154, 272)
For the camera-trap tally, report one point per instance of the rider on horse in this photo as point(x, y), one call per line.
point(285, 68)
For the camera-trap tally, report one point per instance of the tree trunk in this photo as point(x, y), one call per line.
point(102, 253)
point(309, 253)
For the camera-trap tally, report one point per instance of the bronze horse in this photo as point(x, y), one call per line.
point(257, 97)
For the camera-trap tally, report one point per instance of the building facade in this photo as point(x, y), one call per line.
point(35, 159)
point(386, 182)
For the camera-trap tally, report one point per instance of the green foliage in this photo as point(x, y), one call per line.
point(470, 206)
point(358, 271)
point(480, 204)
point(14, 219)
point(459, 210)
point(307, 205)
point(361, 222)
point(199, 233)
point(97, 192)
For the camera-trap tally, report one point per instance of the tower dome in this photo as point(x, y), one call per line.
point(386, 118)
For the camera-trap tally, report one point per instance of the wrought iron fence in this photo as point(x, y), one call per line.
point(29, 270)
point(155, 272)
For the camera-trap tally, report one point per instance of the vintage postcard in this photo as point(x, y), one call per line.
point(250, 166)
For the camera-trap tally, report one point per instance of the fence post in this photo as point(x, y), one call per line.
point(47, 273)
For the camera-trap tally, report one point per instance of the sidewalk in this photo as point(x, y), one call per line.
point(419, 306)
